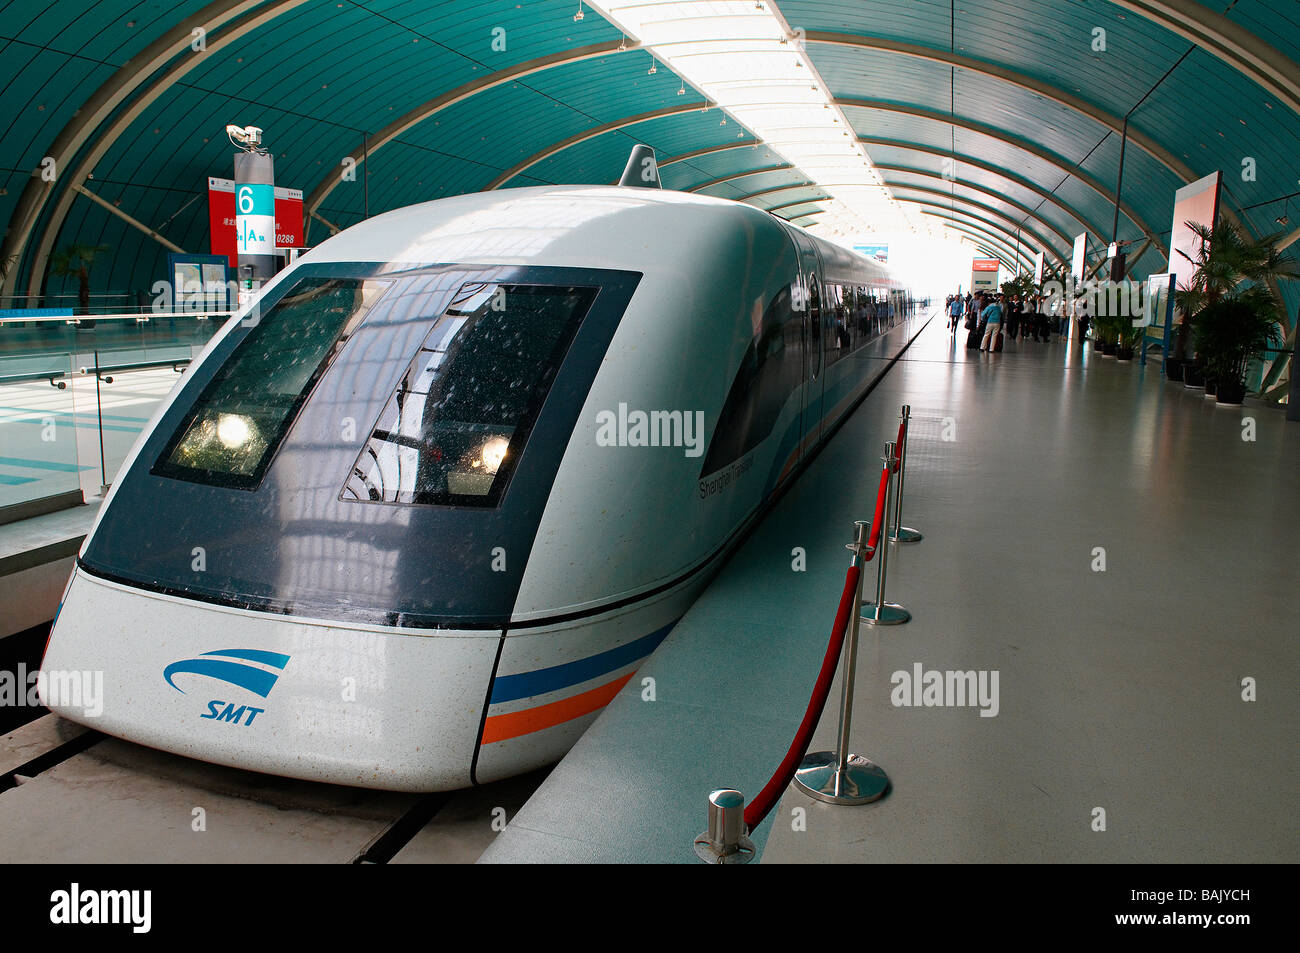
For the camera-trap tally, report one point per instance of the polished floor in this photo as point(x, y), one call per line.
point(1106, 542)
point(1120, 690)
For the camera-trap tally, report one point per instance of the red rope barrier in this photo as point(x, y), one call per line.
point(759, 808)
point(898, 444)
point(878, 520)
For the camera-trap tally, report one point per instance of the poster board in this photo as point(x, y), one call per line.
point(984, 274)
point(1197, 202)
point(1079, 260)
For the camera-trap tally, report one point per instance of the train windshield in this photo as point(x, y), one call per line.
point(455, 427)
point(231, 433)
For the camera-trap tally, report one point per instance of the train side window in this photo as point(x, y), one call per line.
point(861, 318)
point(836, 326)
point(815, 326)
point(231, 433)
point(769, 373)
point(454, 430)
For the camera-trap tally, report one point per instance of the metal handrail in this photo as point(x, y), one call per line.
point(52, 376)
point(176, 364)
point(139, 317)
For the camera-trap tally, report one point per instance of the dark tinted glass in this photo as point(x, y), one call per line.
point(453, 431)
point(769, 373)
point(231, 433)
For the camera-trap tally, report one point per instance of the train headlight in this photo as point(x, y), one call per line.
point(492, 453)
point(234, 430)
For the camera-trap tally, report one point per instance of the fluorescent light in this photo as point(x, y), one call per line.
point(742, 56)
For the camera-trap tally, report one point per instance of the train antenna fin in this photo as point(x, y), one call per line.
point(642, 170)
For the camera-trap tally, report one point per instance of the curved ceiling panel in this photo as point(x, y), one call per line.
point(1028, 105)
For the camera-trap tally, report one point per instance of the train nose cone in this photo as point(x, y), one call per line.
point(285, 696)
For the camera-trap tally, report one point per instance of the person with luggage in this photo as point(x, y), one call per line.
point(1011, 319)
point(973, 324)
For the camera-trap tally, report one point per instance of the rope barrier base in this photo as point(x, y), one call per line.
point(902, 534)
point(725, 841)
point(861, 782)
point(891, 613)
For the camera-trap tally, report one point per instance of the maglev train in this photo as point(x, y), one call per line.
point(418, 513)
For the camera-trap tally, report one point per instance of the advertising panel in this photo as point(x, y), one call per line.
point(1078, 261)
point(984, 274)
point(1197, 203)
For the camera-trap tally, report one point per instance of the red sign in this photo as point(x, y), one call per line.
point(221, 218)
point(979, 264)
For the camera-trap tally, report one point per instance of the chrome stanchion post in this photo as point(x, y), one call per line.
point(901, 533)
point(99, 413)
point(838, 777)
point(881, 612)
point(724, 842)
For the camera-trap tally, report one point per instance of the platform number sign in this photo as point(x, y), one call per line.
point(255, 219)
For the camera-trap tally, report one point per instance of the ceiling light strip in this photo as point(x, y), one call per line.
point(744, 57)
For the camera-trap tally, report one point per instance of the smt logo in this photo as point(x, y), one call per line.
point(254, 670)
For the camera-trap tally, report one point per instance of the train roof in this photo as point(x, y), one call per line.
point(562, 225)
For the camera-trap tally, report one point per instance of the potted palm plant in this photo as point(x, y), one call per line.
point(1107, 328)
point(1130, 338)
point(1228, 265)
point(75, 261)
point(1231, 331)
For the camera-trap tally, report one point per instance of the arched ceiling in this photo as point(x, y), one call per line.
point(1003, 120)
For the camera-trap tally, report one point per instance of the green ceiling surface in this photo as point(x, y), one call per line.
point(322, 76)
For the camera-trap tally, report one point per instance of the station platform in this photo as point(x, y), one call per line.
point(1119, 690)
point(36, 557)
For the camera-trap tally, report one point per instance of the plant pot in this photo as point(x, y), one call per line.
point(1193, 376)
point(1109, 349)
point(1174, 368)
point(1124, 354)
point(1210, 384)
point(1231, 395)
point(1096, 345)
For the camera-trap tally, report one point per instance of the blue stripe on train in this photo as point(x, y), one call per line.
point(508, 688)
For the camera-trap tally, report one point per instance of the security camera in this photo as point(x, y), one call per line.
point(246, 137)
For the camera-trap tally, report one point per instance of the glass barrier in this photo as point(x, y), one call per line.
point(63, 425)
point(38, 437)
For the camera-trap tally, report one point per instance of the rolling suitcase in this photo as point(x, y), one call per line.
point(997, 341)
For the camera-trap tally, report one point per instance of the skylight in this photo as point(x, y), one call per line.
point(742, 55)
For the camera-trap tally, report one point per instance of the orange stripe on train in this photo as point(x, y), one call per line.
point(514, 724)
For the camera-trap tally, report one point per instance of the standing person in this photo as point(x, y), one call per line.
point(1081, 313)
point(1038, 320)
point(992, 316)
point(1012, 317)
point(956, 308)
point(973, 322)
